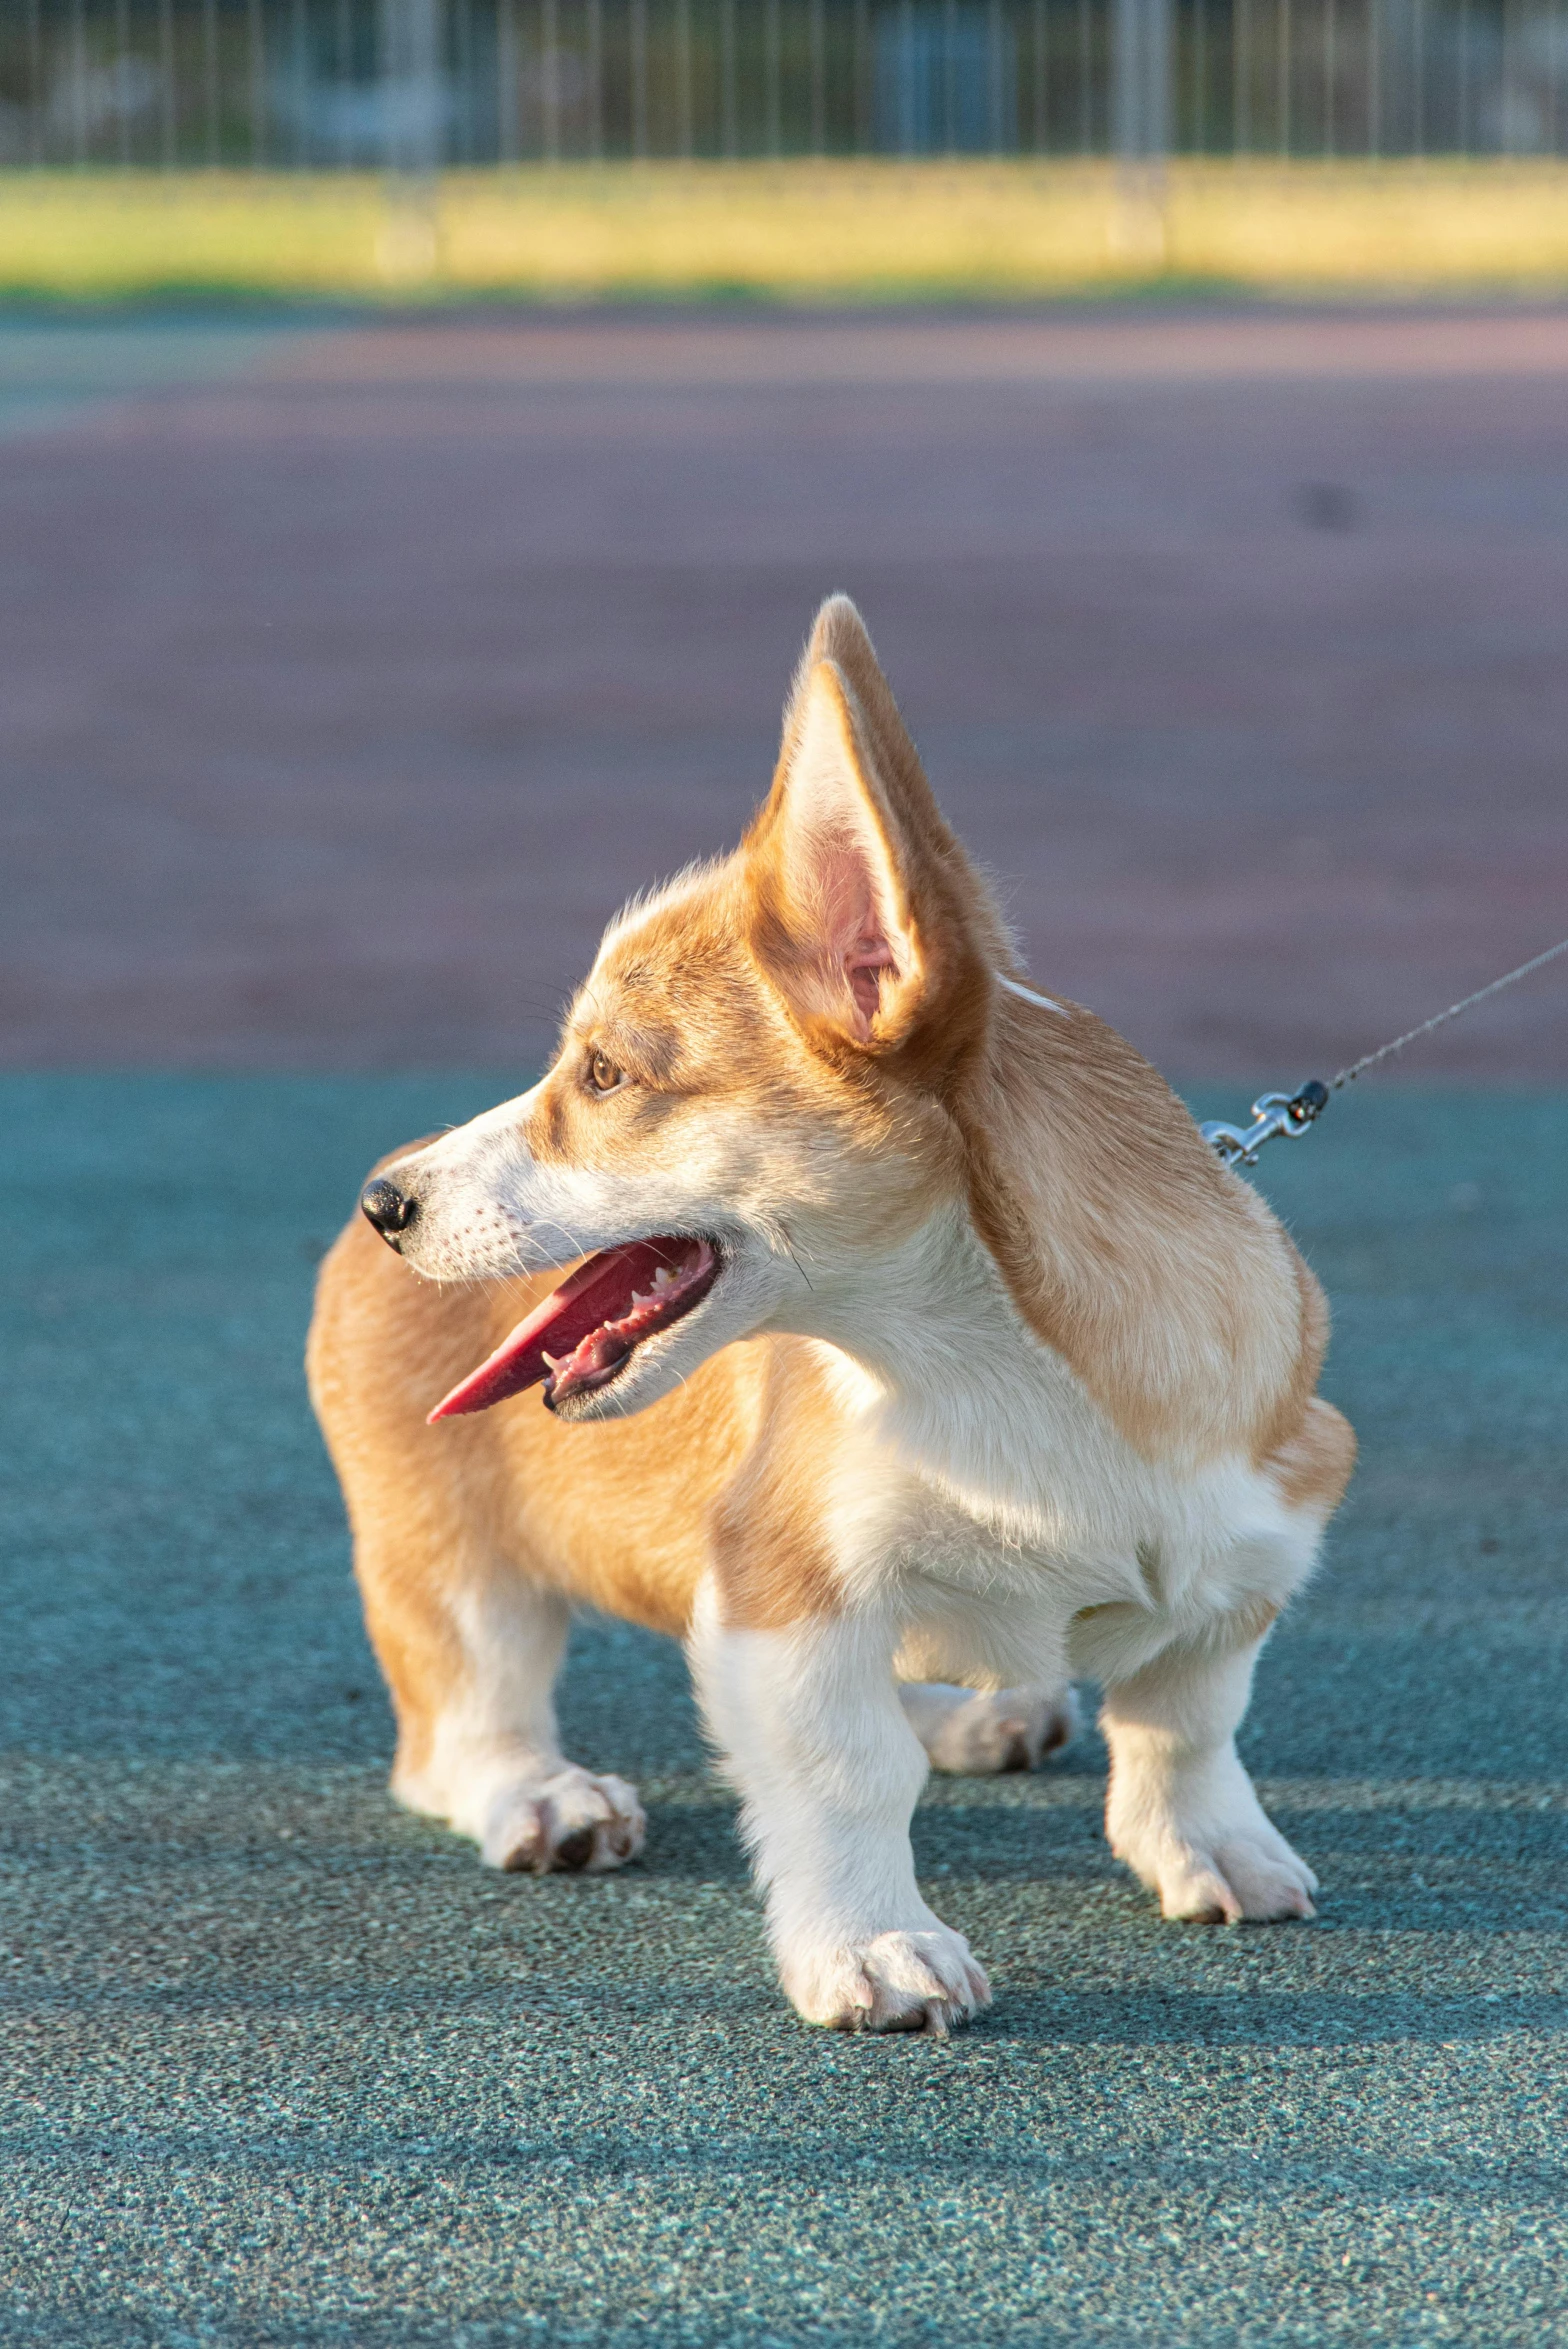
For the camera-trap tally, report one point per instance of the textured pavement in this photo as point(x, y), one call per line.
point(280, 2064)
point(345, 691)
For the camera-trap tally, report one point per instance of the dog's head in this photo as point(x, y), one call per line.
point(751, 1106)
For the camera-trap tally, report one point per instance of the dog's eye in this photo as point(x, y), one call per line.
point(603, 1074)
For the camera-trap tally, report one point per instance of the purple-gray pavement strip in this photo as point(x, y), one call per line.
point(342, 699)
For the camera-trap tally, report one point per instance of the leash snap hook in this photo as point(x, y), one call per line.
point(1272, 1113)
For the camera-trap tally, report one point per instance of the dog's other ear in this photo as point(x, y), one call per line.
point(867, 913)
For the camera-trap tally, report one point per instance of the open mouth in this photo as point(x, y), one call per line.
point(587, 1330)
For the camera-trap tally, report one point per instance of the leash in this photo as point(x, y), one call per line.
point(1293, 1113)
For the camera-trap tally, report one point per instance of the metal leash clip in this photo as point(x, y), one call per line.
point(1274, 1113)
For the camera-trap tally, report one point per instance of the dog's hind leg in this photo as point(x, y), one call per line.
point(976, 1732)
point(471, 1658)
point(1181, 1810)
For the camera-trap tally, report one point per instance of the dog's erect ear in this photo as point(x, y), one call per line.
point(867, 914)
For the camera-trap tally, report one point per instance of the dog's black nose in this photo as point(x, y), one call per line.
point(388, 1208)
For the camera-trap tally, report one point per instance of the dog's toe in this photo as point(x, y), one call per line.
point(571, 1822)
point(979, 1733)
point(924, 1981)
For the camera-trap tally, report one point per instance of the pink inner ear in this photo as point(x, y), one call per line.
point(865, 959)
point(855, 929)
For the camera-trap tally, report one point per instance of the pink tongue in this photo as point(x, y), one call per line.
point(598, 1291)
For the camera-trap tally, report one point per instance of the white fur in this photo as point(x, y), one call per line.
point(975, 1732)
point(1181, 1810)
point(829, 1769)
point(988, 1524)
point(495, 1770)
point(1028, 995)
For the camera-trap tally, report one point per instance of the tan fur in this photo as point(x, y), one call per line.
point(1161, 1280)
point(1312, 1467)
point(613, 1515)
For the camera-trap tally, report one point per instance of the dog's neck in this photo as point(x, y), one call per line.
point(929, 1349)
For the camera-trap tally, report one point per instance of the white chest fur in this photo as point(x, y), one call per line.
point(982, 1488)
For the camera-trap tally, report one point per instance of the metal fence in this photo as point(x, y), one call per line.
point(414, 84)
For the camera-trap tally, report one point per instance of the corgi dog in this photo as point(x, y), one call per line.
point(916, 1355)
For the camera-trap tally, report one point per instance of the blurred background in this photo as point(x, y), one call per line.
point(428, 426)
point(339, 83)
point(356, 667)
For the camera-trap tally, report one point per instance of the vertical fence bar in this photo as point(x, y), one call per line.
point(1141, 118)
point(77, 51)
point(468, 120)
point(950, 76)
point(1282, 32)
point(256, 50)
point(861, 43)
point(729, 91)
point(818, 28)
point(1374, 79)
point(168, 94)
point(1555, 29)
point(1085, 78)
point(639, 41)
point(1200, 78)
point(508, 68)
point(35, 85)
point(209, 47)
point(1418, 76)
point(1162, 78)
point(773, 77)
point(996, 62)
point(1331, 75)
point(550, 79)
point(122, 83)
point(300, 29)
point(412, 99)
point(343, 41)
point(1126, 81)
point(1042, 87)
point(684, 124)
point(1464, 76)
point(596, 80)
point(1508, 48)
point(1241, 77)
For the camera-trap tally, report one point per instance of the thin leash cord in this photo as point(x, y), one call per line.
point(1348, 1076)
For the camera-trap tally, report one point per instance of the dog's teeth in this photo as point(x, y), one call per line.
point(553, 1361)
point(663, 1279)
point(639, 1299)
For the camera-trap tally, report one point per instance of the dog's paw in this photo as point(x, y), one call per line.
point(1220, 1878)
point(979, 1732)
point(569, 1820)
point(915, 1981)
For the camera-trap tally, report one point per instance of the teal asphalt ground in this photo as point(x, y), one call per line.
point(281, 2064)
point(57, 370)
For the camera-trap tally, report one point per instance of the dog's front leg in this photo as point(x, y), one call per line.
point(829, 1769)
